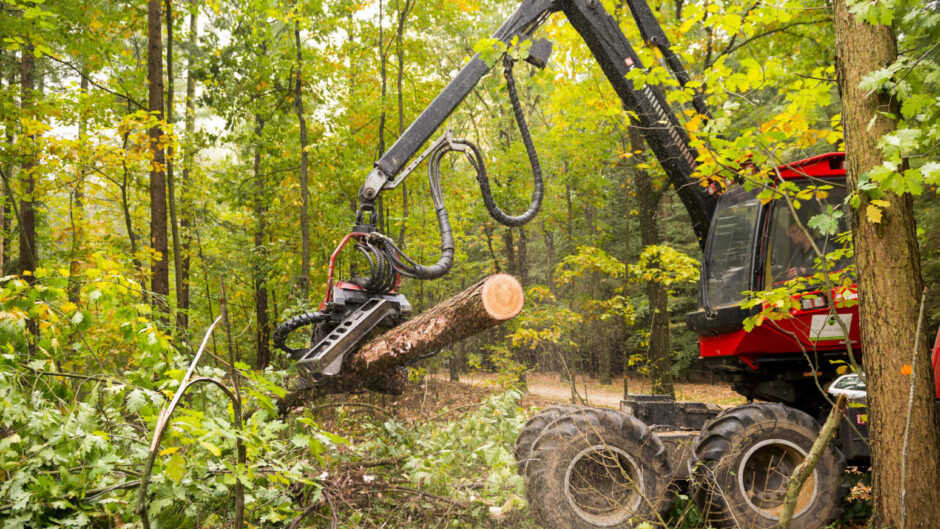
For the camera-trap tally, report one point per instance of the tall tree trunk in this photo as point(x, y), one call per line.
point(170, 180)
point(383, 72)
point(382, 217)
point(549, 251)
point(159, 266)
point(510, 247)
point(77, 210)
point(889, 284)
point(522, 257)
point(125, 203)
point(260, 256)
point(27, 209)
point(648, 199)
point(304, 192)
point(6, 198)
point(400, 55)
point(186, 218)
point(569, 226)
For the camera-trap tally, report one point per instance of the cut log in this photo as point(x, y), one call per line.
point(486, 304)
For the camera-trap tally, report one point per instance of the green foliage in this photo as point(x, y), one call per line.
point(73, 443)
point(443, 457)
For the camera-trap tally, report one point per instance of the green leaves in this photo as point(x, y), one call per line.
point(826, 223)
point(175, 467)
point(877, 12)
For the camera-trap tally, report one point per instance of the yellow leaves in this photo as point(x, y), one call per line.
point(169, 451)
point(688, 25)
point(31, 127)
point(694, 123)
point(68, 307)
point(874, 210)
point(467, 6)
point(214, 450)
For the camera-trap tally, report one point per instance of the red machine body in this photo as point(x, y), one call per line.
point(810, 328)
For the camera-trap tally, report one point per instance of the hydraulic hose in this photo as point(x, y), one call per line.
point(384, 256)
point(291, 325)
point(538, 187)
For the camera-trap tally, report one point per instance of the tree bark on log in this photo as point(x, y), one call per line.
point(485, 304)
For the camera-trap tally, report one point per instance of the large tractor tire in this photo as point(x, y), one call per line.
point(598, 468)
point(745, 458)
point(533, 429)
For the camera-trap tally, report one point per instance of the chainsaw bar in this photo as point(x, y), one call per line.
point(326, 357)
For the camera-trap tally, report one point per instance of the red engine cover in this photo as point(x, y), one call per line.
point(806, 330)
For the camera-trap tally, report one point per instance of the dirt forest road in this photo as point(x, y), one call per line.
point(549, 387)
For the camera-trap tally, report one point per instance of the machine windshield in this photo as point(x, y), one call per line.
point(728, 264)
point(791, 253)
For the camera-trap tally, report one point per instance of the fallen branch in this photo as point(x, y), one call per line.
point(805, 469)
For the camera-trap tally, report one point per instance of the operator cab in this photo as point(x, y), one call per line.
point(753, 246)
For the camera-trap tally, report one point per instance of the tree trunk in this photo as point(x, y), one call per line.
point(28, 254)
point(27, 210)
point(125, 204)
point(889, 284)
point(487, 303)
point(260, 257)
point(400, 54)
point(648, 200)
point(77, 210)
point(522, 257)
point(383, 73)
point(170, 180)
point(6, 194)
point(304, 192)
point(159, 266)
point(510, 246)
point(186, 222)
point(549, 251)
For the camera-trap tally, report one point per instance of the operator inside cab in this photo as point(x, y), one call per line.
point(802, 257)
point(791, 253)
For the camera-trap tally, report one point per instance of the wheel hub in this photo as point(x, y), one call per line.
point(764, 473)
point(603, 485)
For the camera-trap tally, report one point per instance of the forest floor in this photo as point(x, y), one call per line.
point(548, 386)
point(449, 462)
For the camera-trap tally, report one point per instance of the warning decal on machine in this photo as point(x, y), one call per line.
point(825, 327)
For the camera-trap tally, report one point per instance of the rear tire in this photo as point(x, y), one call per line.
point(598, 468)
point(745, 458)
point(533, 429)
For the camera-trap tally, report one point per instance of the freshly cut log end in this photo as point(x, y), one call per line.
point(502, 296)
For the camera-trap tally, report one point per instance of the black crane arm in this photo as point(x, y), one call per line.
point(662, 131)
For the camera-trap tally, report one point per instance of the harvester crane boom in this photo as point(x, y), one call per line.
point(610, 47)
point(342, 321)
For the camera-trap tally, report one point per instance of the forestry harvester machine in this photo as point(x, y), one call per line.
point(590, 467)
